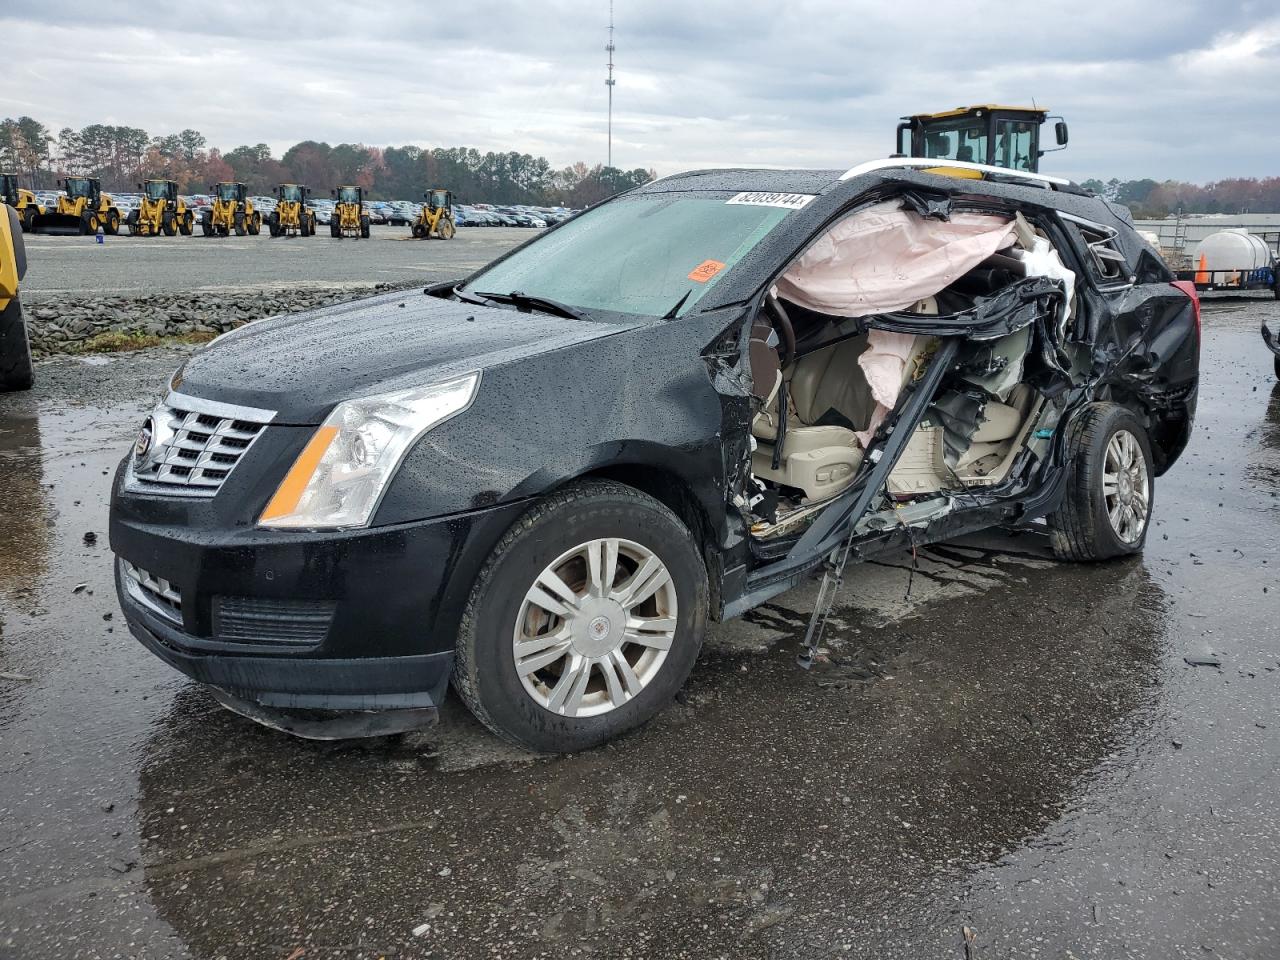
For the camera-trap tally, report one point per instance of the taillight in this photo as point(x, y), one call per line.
point(1189, 288)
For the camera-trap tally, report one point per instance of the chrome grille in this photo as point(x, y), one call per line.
point(155, 593)
point(189, 446)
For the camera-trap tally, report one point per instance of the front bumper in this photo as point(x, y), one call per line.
point(339, 620)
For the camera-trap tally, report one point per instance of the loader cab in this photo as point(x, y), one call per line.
point(993, 135)
point(229, 192)
point(158, 190)
point(291, 192)
point(349, 195)
point(87, 187)
point(438, 198)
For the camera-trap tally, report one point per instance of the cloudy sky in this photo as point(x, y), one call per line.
point(1185, 89)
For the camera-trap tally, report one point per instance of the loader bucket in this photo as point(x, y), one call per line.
point(61, 224)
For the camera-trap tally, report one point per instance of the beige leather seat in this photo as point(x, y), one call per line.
point(818, 459)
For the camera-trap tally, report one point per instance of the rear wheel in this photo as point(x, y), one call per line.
point(586, 620)
point(131, 221)
point(28, 219)
point(419, 231)
point(364, 227)
point(185, 227)
point(241, 229)
point(170, 225)
point(112, 223)
point(16, 368)
point(445, 228)
point(1110, 486)
point(335, 228)
point(206, 225)
point(273, 224)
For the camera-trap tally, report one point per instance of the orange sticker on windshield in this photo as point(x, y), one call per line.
point(705, 271)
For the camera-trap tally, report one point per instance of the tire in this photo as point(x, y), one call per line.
point(28, 221)
point(485, 673)
point(335, 229)
point(169, 225)
point(112, 225)
point(273, 224)
point(88, 223)
point(240, 227)
point(419, 231)
point(16, 369)
point(187, 224)
point(445, 228)
point(364, 228)
point(132, 222)
point(206, 225)
point(1082, 529)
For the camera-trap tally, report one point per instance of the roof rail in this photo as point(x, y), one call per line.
point(890, 163)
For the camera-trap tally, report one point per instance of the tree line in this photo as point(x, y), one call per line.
point(1152, 199)
point(121, 156)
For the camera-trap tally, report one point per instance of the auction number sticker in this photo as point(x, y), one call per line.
point(705, 271)
point(788, 201)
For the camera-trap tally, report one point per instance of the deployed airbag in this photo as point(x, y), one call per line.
point(885, 258)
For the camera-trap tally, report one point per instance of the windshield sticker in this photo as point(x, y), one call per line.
point(705, 271)
point(788, 201)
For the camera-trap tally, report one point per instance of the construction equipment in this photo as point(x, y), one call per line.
point(991, 134)
point(15, 348)
point(160, 211)
point(436, 217)
point(292, 217)
point(24, 201)
point(349, 218)
point(82, 208)
point(231, 210)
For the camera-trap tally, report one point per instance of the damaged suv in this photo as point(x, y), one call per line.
point(544, 481)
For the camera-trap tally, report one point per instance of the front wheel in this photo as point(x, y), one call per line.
point(16, 368)
point(585, 621)
point(28, 219)
point(1110, 486)
point(364, 228)
point(445, 228)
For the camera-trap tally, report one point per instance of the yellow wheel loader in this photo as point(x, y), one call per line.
point(231, 210)
point(15, 348)
point(82, 208)
point(160, 211)
point(436, 217)
point(24, 201)
point(292, 217)
point(349, 218)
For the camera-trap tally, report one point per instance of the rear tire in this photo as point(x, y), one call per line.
point(240, 227)
point(419, 231)
point(16, 368)
point(335, 229)
point(364, 227)
point(445, 228)
point(112, 224)
point(185, 227)
point(615, 698)
point(28, 221)
point(1107, 508)
point(169, 226)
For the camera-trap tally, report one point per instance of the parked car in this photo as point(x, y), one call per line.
point(544, 481)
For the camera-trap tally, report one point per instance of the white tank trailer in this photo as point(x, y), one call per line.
point(1233, 260)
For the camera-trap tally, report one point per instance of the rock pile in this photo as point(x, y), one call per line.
point(62, 326)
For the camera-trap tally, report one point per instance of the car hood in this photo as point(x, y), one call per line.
point(300, 365)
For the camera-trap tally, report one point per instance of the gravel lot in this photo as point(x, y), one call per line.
point(1006, 743)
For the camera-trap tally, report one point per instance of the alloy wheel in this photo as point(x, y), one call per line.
point(595, 627)
point(1126, 487)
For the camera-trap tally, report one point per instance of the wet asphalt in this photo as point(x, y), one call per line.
point(134, 266)
point(999, 742)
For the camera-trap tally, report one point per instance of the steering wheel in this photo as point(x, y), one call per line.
point(786, 332)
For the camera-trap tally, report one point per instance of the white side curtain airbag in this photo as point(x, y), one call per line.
point(885, 258)
point(884, 364)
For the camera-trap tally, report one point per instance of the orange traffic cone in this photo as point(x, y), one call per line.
point(1202, 274)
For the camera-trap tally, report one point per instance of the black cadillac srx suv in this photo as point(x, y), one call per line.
point(543, 481)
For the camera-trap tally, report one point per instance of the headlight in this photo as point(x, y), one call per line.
point(341, 473)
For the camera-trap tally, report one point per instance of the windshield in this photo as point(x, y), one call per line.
point(439, 198)
point(78, 187)
point(227, 191)
point(348, 195)
point(635, 255)
point(290, 191)
point(157, 190)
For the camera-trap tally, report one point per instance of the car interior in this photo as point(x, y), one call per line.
point(825, 381)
